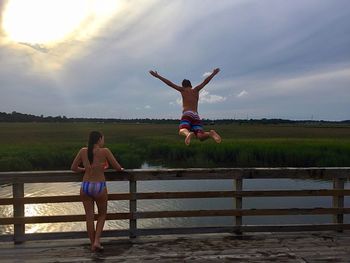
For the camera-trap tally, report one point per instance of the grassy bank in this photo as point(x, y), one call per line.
point(44, 146)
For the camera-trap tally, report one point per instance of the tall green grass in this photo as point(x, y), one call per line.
point(44, 146)
point(253, 153)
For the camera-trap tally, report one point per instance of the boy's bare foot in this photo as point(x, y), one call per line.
point(215, 136)
point(188, 138)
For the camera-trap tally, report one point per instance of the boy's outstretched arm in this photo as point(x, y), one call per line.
point(207, 79)
point(166, 81)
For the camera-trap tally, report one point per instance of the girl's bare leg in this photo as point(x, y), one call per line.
point(188, 135)
point(101, 201)
point(88, 203)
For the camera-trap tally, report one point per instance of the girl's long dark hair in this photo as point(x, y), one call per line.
point(94, 136)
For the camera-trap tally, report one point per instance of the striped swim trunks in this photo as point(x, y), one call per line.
point(191, 121)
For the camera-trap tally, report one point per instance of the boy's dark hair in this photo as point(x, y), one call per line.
point(186, 83)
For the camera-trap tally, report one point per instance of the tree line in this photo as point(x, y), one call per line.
point(23, 117)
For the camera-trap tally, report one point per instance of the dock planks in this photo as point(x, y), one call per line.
point(302, 247)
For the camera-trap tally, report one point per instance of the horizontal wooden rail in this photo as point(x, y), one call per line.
point(338, 175)
point(242, 212)
point(179, 195)
point(58, 219)
point(325, 173)
point(165, 214)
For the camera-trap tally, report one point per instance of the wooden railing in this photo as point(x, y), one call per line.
point(338, 175)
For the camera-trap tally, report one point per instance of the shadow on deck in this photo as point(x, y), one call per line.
point(252, 247)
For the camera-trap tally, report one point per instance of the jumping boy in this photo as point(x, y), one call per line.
point(190, 124)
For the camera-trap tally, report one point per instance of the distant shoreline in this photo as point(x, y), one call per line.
point(23, 117)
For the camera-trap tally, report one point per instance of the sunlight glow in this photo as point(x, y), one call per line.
point(50, 21)
point(52, 32)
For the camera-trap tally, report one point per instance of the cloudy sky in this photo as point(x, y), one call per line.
point(84, 58)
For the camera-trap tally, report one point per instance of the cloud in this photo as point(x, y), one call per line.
point(206, 97)
point(332, 81)
point(206, 74)
point(38, 47)
point(243, 93)
point(148, 107)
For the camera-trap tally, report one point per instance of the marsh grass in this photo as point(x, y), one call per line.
point(47, 146)
point(253, 153)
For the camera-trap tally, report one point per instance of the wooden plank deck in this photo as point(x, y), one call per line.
point(251, 247)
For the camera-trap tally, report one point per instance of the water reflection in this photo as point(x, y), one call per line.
point(174, 204)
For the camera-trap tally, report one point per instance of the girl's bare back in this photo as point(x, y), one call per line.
point(94, 172)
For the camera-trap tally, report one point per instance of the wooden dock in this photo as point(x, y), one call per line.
point(278, 247)
point(236, 242)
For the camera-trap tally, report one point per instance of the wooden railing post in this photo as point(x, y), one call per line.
point(18, 212)
point(238, 187)
point(132, 208)
point(338, 202)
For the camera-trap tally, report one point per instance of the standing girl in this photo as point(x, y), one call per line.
point(93, 188)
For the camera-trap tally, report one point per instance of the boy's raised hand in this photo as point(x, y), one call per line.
point(154, 73)
point(216, 71)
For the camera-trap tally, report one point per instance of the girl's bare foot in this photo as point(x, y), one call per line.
point(215, 136)
point(97, 248)
point(188, 138)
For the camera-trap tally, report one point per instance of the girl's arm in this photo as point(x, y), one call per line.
point(113, 162)
point(75, 165)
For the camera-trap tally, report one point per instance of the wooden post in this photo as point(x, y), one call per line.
point(238, 187)
point(18, 212)
point(338, 202)
point(132, 208)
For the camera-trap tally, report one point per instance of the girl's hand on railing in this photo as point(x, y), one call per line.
point(81, 169)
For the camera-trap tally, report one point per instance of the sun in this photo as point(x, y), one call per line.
point(47, 22)
point(52, 32)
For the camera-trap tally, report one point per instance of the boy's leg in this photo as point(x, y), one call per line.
point(202, 136)
point(188, 135)
point(212, 134)
point(186, 127)
point(215, 136)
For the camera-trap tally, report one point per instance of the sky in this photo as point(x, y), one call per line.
point(85, 58)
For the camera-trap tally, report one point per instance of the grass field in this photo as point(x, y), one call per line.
point(41, 146)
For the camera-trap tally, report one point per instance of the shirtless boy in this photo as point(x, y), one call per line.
point(190, 124)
